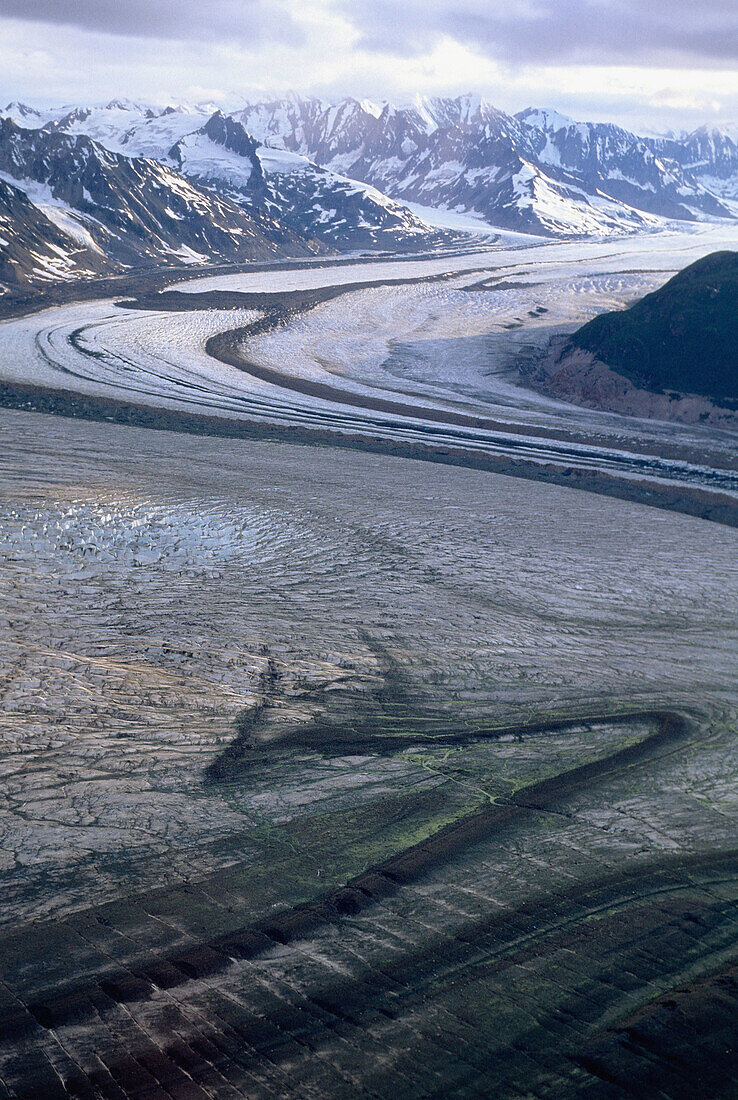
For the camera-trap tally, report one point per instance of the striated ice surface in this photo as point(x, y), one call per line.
point(451, 345)
point(153, 586)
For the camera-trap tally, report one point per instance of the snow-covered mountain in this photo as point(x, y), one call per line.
point(620, 165)
point(537, 171)
point(127, 211)
point(710, 155)
point(122, 126)
point(31, 117)
point(133, 129)
point(129, 183)
point(338, 211)
point(212, 150)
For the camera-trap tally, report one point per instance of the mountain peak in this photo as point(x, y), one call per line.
point(544, 118)
point(123, 105)
point(370, 107)
point(22, 109)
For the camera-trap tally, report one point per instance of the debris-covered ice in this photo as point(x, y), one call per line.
point(155, 586)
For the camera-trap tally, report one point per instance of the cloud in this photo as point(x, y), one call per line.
point(686, 32)
point(241, 21)
point(594, 59)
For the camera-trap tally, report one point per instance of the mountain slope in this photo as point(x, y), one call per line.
point(338, 211)
point(671, 356)
point(34, 249)
point(536, 171)
point(133, 211)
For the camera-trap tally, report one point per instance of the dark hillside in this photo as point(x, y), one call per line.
point(682, 337)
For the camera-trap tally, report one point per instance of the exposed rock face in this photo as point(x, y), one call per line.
point(573, 374)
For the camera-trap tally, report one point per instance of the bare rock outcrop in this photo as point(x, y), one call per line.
point(576, 375)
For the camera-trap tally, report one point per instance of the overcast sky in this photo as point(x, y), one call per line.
point(649, 63)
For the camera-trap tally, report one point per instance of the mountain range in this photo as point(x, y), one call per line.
point(536, 171)
point(129, 185)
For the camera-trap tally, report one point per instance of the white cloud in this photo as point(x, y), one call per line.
point(316, 46)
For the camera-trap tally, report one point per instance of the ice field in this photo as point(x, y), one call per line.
point(148, 575)
point(328, 773)
point(349, 611)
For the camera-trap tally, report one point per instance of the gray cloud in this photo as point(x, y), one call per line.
point(245, 22)
point(681, 32)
